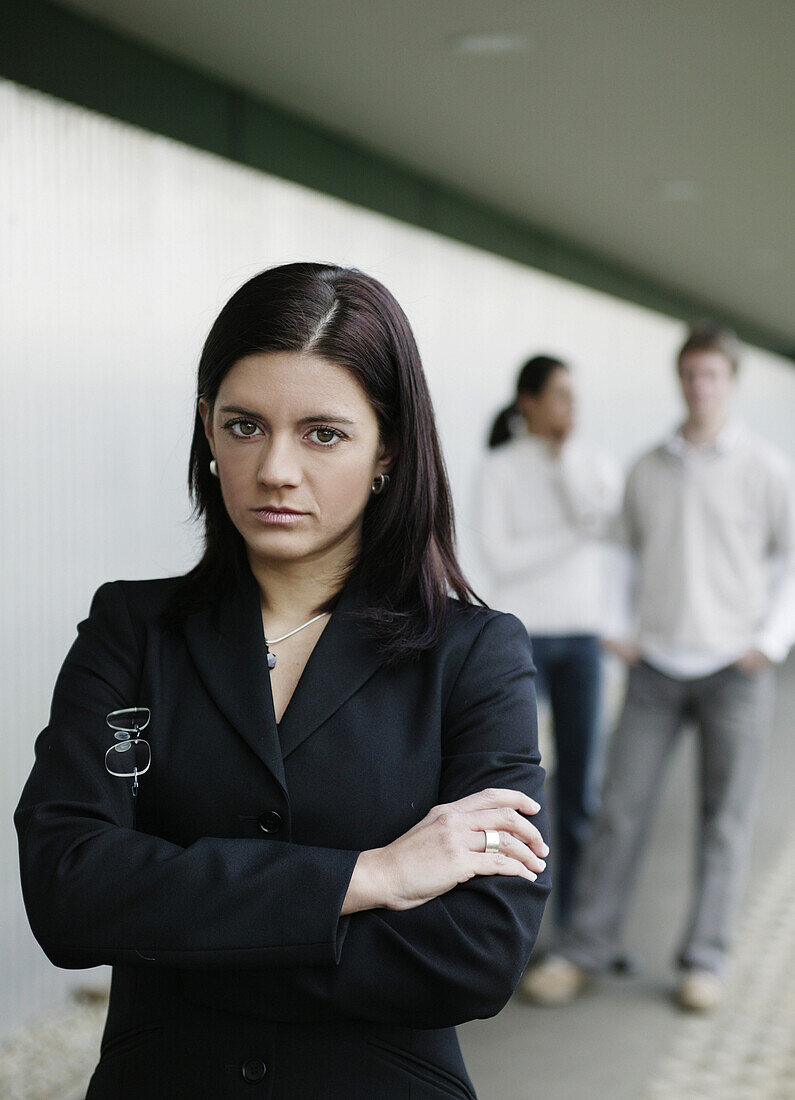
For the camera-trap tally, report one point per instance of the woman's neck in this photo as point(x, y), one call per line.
point(291, 592)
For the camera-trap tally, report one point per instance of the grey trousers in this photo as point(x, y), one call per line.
point(732, 712)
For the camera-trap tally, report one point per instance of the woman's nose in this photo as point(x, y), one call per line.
point(279, 463)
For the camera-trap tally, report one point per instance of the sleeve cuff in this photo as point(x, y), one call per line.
point(343, 922)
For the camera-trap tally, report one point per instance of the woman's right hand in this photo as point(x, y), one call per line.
point(447, 848)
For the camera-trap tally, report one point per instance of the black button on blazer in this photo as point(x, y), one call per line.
point(224, 933)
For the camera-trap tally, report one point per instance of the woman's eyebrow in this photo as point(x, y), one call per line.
point(312, 419)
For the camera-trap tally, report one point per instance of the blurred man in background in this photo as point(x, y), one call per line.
point(709, 521)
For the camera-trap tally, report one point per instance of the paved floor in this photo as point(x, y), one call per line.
point(625, 1040)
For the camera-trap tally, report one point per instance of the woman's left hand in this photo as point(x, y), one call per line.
point(446, 848)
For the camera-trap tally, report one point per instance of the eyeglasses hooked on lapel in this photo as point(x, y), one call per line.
point(131, 756)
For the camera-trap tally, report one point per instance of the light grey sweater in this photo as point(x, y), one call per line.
point(712, 532)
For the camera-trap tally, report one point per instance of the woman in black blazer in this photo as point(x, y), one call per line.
point(330, 860)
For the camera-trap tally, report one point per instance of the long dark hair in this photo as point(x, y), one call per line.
point(533, 376)
point(407, 563)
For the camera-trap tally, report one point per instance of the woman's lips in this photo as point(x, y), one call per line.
point(277, 517)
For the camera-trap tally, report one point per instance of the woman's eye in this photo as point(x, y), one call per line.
point(243, 427)
point(326, 436)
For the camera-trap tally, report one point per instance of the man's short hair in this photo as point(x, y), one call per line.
point(708, 336)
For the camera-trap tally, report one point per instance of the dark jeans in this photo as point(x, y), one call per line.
point(570, 677)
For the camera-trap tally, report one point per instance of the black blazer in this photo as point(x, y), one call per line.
point(218, 906)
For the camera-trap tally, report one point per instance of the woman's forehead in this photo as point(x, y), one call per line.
point(290, 382)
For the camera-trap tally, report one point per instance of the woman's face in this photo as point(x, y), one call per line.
point(552, 412)
point(294, 431)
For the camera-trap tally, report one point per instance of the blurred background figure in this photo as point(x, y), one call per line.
point(545, 499)
point(709, 522)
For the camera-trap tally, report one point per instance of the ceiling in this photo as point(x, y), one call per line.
point(659, 134)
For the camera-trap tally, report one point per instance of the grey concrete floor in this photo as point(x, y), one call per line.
point(611, 1041)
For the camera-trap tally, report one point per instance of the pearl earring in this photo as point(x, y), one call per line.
point(379, 484)
point(213, 467)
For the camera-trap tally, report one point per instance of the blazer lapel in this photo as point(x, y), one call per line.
point(342, 660)
point(228, 648)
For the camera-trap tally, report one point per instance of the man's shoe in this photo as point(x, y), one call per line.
point(700, 990)
point(554, 982)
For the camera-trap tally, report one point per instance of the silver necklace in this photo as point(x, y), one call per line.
point(273, 641)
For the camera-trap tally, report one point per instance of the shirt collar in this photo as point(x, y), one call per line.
point(725, 441)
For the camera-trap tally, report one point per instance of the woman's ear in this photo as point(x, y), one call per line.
point(206, 413)
point(387, 455)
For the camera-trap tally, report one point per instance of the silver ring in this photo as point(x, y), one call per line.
point(492, 840)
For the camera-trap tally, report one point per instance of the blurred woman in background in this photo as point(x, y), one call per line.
point(545, 500)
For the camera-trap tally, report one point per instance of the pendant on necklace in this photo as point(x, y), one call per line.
point(271, 659)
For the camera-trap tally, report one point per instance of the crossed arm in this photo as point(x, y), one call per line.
point(334, 931)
